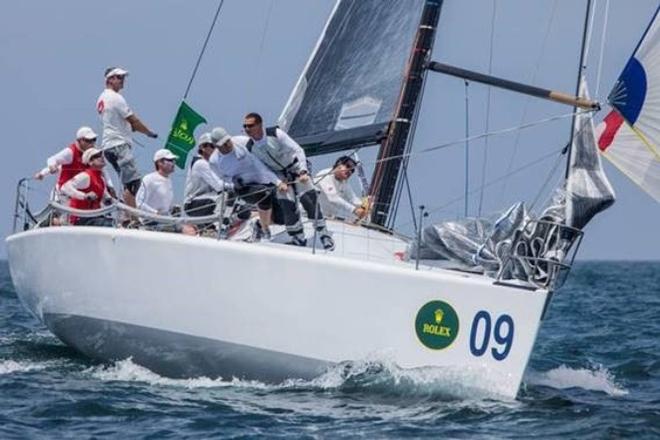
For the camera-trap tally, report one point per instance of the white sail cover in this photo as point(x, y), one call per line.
point(349, 90)
point(619, 144)
point(587, 189)
point(636, 95)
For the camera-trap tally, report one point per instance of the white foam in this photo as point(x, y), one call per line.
point(9, 366)
point(378, 374)
point(597, 379)
point(127, 371)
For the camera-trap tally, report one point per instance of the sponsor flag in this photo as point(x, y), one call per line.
point(182, 138)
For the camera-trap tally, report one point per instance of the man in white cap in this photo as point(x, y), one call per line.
point(88, 189)
point(68, 161)
point(202, 184)
point(156, 195)
point(253, 180)
point(119, 122)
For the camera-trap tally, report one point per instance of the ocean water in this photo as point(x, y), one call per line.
point(595, 373)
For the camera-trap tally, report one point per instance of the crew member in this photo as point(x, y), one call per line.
point(156, 195)
point(337, 198)
point(69, 161)
point(202, 184)
point(253, 181)
point(119, 122)
point(287, 159)
point(87, 189)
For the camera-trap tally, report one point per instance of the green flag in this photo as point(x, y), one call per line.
point(182, 136)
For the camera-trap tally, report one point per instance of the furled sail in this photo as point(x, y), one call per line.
point(619, 144)
point(636, 94)
point(587, 189)
point(349, 90)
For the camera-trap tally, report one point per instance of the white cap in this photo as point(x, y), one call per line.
point(88, 154)
point(164, 154)
point(116, 71)
point(219, 136)
point(205, 138)
point(85, 133)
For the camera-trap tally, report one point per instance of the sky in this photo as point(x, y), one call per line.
point(53, 55)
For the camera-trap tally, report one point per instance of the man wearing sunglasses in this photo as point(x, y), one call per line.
point(69, 162)
point(337, 198)
point(119, 122)
point(287, 160)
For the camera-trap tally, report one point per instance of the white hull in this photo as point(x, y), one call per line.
point(193, 306)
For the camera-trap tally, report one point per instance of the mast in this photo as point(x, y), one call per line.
point(581, 67)
point(386, 173)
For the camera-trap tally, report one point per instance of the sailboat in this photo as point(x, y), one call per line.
point(271, 312)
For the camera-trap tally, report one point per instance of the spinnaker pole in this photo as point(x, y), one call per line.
point(386, 173)
point(552, 95)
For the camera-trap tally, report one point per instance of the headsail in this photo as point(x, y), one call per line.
point(629, 136)
point(349, 90)
point(625, 150)
point(636, 94)
point(587, 189)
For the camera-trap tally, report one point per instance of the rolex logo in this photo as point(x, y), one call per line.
point(438, 316)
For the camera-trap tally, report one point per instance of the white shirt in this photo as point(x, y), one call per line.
point(201, 181)
point(80, 181)
point(155, 194)
point(241, 164)
point(337, 197)
point(65, 157)
point(114, 110)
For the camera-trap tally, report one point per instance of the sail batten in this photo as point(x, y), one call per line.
point(348, 92)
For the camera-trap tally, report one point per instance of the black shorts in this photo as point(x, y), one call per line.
point(200, 207)
point(257, 194)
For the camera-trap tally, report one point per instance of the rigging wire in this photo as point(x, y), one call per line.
point(483, 135)
point(546, 182)
point(602, 46)
point(581, 67)
point(523, 167)
point(201, 53)
point(409, 145)
point(484, 161)
point(466, 186)
point(253, 94)
point(537, 68)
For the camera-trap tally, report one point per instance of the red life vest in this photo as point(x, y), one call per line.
point(96, 186)
point(76, 166)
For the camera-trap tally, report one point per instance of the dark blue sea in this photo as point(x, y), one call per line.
point(595, 373)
